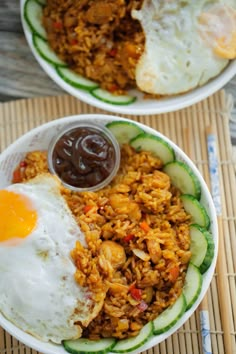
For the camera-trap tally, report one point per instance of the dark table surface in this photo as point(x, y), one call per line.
point(20, 74)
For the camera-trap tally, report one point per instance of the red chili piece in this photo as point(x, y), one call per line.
point(57, 25)
point(113, 52)
point(23, 164)
point(113, 88)
point(74, 42)
point(17, 176)
point(128, 238)
point(136, 293)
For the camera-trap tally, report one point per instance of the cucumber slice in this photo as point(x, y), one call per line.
point(75, 79)
point(46, 52)
point(170, 316)
point(193, 285)
point(83, 345)
point(196, 210)
point(183, 178)
point(154, 144)
point(128, 345)
point(124, 131)
point(108, 97)
point(33, 13)
point(202, 247)
point(42, 2)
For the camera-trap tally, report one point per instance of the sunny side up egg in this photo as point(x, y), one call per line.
point(187, 43)
point(38, 292)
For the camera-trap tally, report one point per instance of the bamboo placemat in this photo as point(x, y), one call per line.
point(17, 117)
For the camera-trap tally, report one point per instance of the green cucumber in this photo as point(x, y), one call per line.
point(130, 344)
point(46, 52)
point(183, 178)
point(192, 285)
point(86, 346)
point(42, 2)
point(124, 131)
point(170, 316)
point(33, 13)
point(196, 210)
point(76, 80)
point(156, 145)
point(202, 247)
point(108, 97)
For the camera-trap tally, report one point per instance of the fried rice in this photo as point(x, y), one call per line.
point(137, 233)
point(97, 38)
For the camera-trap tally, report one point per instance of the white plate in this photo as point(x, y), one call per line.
point(39, 138)
point(141, 105)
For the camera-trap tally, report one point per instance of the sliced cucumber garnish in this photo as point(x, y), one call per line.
point(46, 52)
point(83, 345)
point(183, 178)
point(196, 210)
point(170, 316)
point(193, 285)
point(108, 97)
point(124, 131)
point(42, 2)
point(130, 344)
point(33, 13)
point(156, 145)
point(76, 80)
point(202, 247)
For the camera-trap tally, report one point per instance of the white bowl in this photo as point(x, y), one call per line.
point(39, 139)
point(141, 105)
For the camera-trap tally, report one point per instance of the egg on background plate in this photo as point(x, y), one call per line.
point(187, 43)
point(38, 292)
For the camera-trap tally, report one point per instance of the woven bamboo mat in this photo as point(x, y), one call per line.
point(188, 129)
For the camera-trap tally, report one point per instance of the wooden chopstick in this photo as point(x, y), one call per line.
point(221, 266)
point(203, 307)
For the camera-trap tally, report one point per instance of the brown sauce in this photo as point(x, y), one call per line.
point(83, 157)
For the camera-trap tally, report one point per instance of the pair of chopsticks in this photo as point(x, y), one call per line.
point(221, 267)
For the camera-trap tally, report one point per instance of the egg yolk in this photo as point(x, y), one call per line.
point(218, 29)
point(17, 216)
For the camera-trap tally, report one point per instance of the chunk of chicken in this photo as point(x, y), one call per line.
point(123, 205)
point(154, 250)
point(100, 12)
point(114, 253)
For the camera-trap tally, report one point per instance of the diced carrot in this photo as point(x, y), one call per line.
point(174, 273)
point(87, 208)
point(17, 176)
point(144, 226)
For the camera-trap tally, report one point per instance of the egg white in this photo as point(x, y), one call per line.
point(176, 59)
point(38, 292)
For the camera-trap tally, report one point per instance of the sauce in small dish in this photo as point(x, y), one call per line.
point(84, 156)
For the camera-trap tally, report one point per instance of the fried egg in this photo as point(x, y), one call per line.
point(186, 43)
point(38, 292)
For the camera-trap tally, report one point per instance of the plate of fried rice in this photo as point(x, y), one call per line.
point(116, 56)
point(135, 258)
